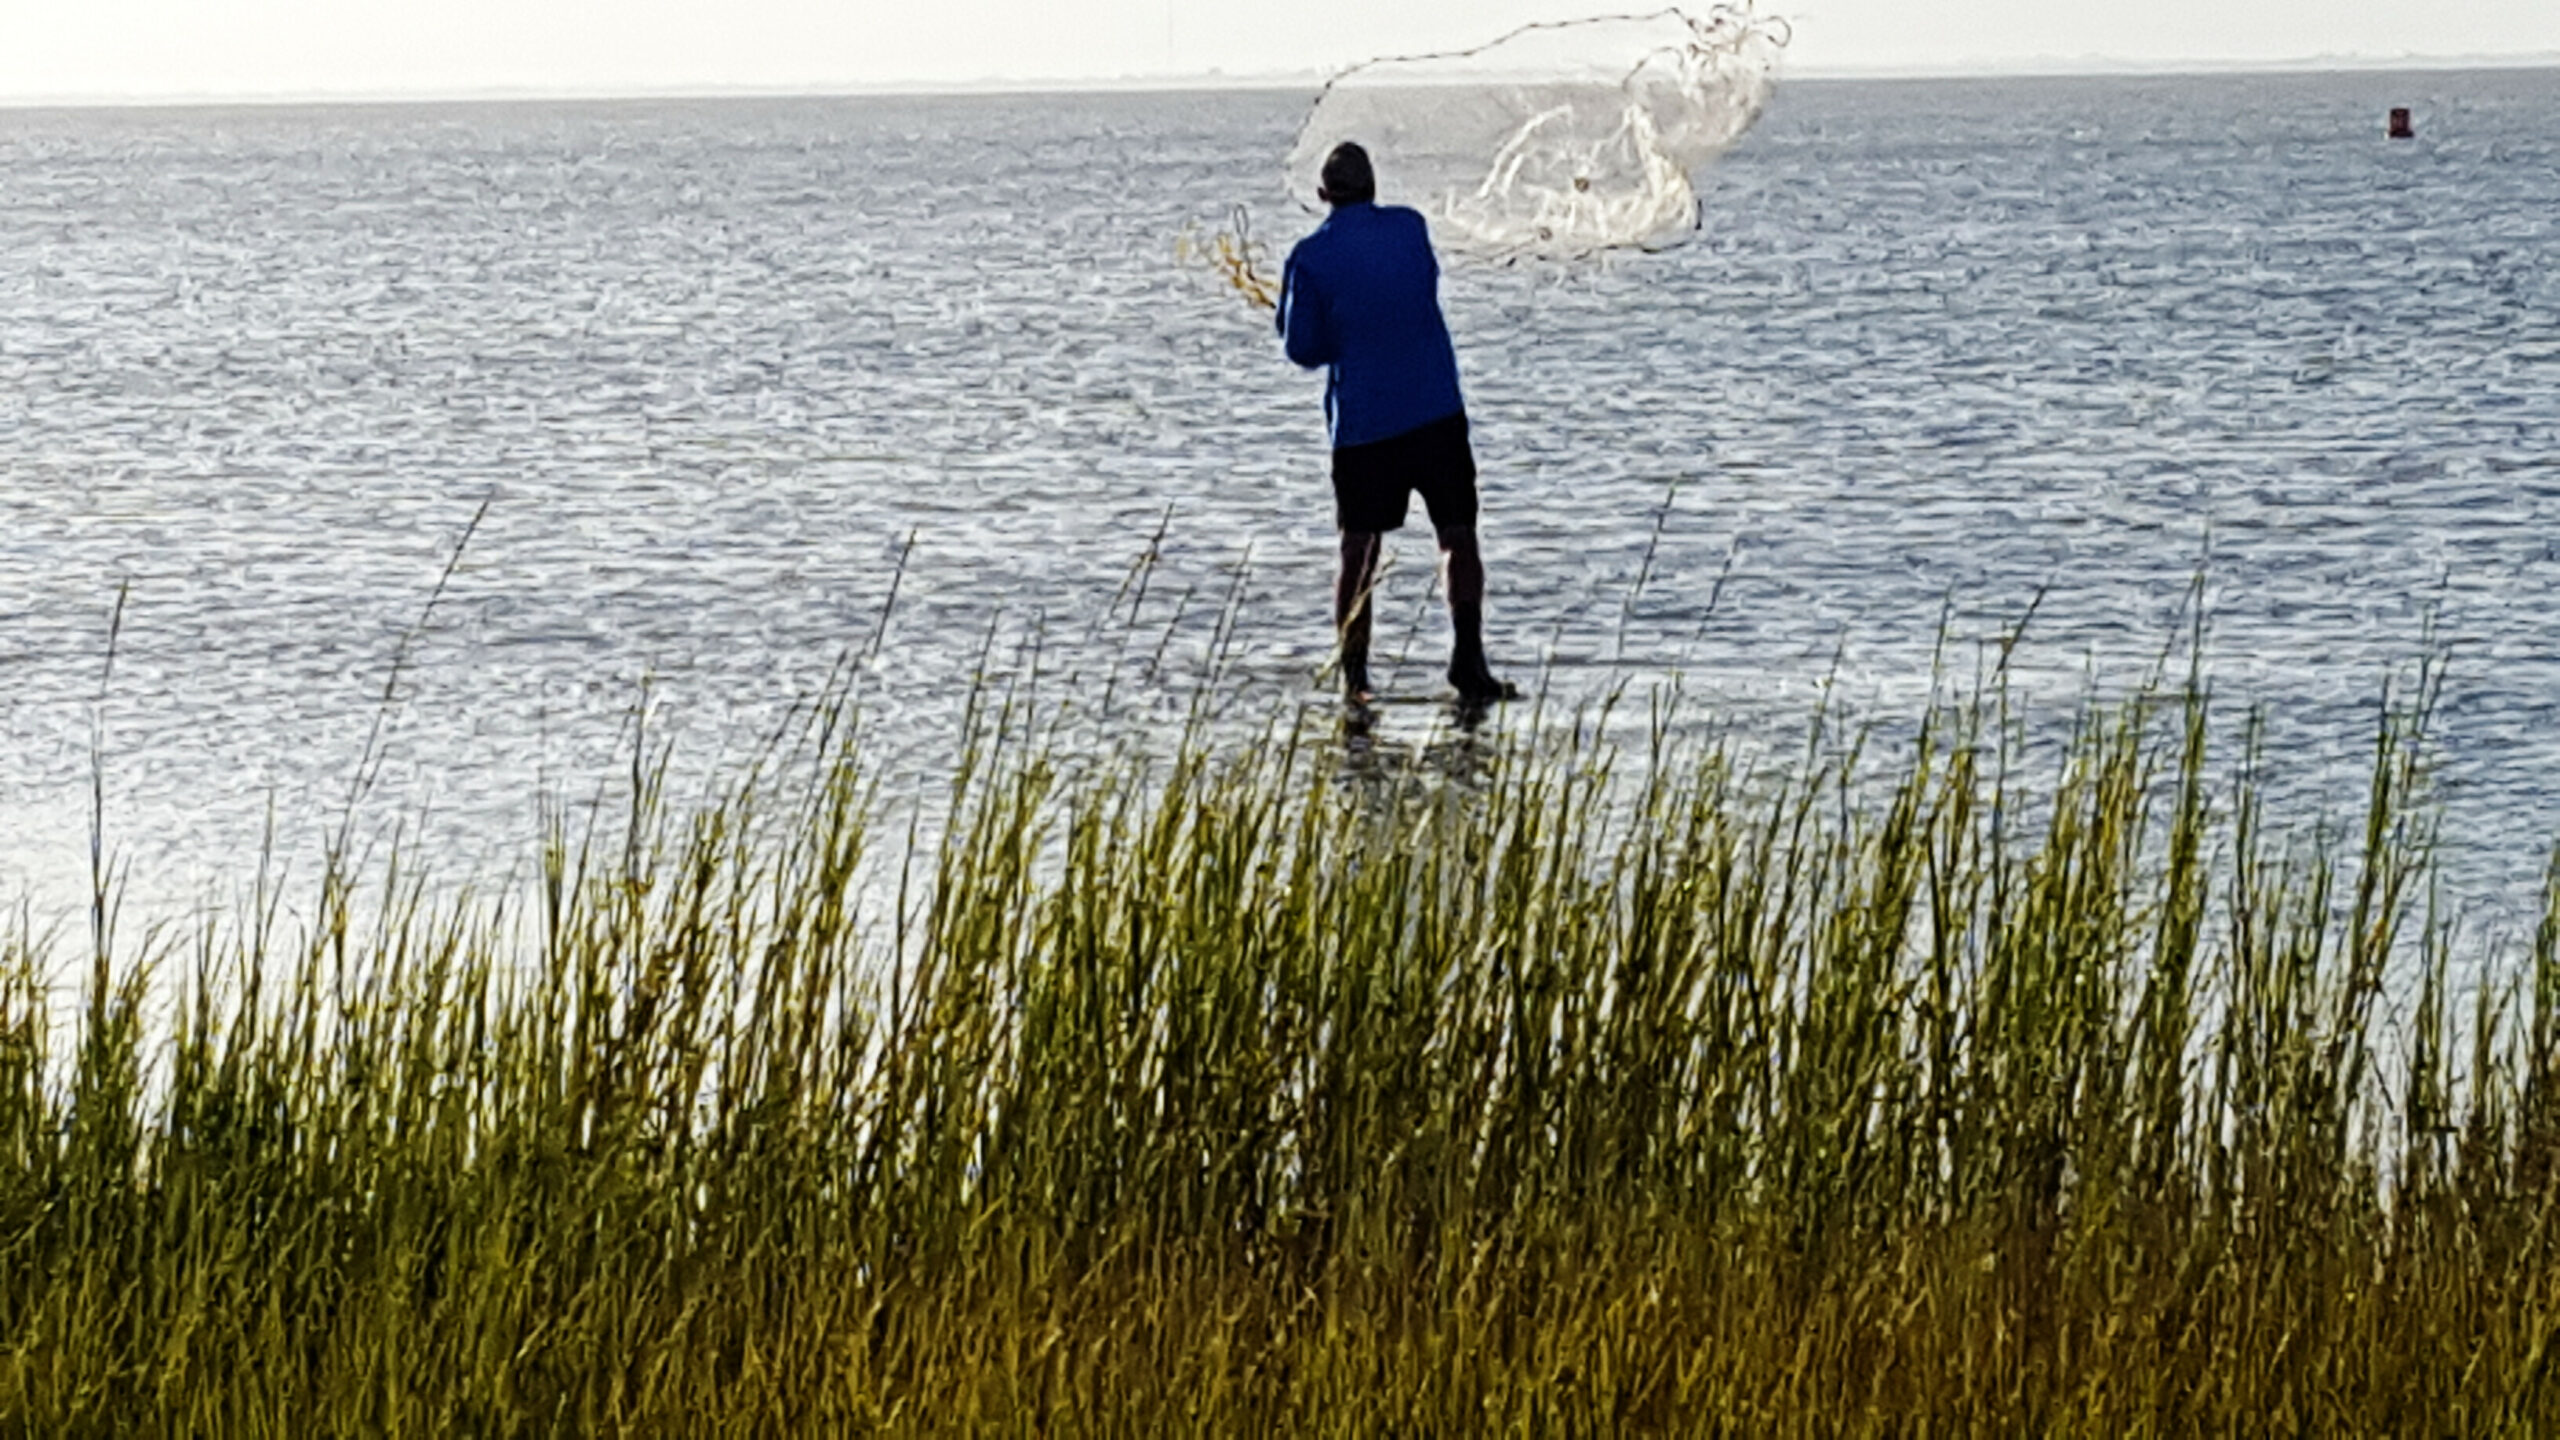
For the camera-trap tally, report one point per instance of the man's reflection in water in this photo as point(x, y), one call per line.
point(1455, 747)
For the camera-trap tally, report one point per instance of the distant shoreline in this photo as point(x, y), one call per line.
point(2047, 68)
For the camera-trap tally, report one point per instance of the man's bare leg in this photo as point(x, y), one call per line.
point(1351, 587)
point(1462, 565)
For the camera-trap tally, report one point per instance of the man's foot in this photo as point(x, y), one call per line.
point(1480, 686)
point(1355, 682)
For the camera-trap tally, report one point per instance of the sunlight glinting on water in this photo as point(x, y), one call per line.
point(1939, 347)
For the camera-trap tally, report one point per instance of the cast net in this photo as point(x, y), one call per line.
point(1557, 139)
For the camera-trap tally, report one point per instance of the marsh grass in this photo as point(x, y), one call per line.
point(1250, 1091)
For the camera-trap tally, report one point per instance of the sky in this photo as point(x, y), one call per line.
point(202, 49)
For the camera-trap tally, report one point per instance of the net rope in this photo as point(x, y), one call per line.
point(1557, 139)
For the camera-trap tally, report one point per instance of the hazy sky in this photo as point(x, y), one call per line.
point(169, 48)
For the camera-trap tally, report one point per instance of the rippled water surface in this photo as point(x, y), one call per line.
point(1941, 347)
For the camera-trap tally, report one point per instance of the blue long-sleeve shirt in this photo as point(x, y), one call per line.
point(1361, 297)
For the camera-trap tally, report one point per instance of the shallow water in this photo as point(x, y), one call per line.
point(1940, 348)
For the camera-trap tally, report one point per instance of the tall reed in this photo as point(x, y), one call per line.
point(1254, 1091)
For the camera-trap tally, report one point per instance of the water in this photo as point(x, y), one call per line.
point(1941, 347)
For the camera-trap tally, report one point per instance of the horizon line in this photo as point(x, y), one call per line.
point(2025, 68)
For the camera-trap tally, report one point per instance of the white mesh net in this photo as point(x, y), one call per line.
point(1556, 139)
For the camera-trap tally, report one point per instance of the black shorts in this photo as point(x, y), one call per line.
point(1374, 483)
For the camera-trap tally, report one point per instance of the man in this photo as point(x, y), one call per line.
point(1361, 297)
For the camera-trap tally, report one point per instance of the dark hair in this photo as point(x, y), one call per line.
point(1348, 180)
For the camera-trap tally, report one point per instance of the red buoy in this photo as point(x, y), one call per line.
point(2401, 129)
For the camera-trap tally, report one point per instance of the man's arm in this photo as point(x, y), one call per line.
point(1303, 331)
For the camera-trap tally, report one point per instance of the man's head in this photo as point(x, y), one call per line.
point(1346, 178)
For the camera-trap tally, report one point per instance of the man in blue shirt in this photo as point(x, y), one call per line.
point(1361, 297)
